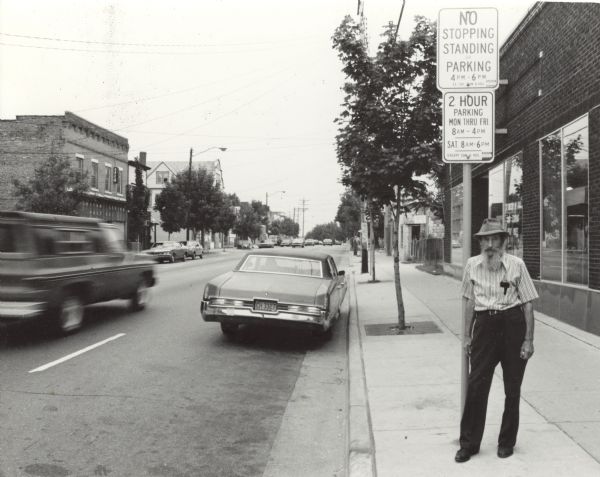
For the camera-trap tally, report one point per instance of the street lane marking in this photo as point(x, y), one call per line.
point(76, 353)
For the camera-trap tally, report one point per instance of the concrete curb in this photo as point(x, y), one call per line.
point(361, 444)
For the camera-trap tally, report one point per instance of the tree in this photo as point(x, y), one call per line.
point(285, 226)
point(389, 129)
point(170, 203)
point(193, 201)
point(348, 214)
point(226, 217)
point(138, 216)
point(247, 224)
point(262, 211)
point(324, 231)
point(55, 188)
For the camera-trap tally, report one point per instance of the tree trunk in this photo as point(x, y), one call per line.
point(395, 243)
point(372, 244)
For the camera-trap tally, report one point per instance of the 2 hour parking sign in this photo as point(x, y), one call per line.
point(467, 48)
point(468, 133)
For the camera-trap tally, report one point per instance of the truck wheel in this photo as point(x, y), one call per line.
point(69, 314)
point(140, 297)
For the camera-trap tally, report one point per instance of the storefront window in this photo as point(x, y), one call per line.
point(576, 201)
point(504, 200)
point(564, 166)
point(457, 228)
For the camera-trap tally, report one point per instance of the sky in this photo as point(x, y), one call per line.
point(258, 77)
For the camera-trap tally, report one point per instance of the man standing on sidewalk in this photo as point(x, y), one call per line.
point(497, 293)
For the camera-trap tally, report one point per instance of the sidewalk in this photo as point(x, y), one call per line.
point(405, 389)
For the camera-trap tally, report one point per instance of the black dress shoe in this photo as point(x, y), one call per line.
point(464, 454)
point(504, 452)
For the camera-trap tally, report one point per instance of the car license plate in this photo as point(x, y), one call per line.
point(264, 305)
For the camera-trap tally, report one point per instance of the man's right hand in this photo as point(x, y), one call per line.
point(467, 345)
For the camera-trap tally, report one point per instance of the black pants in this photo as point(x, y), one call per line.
point(496, 339)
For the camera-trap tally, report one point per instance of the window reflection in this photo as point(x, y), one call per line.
point(576, 201)
point(504, 200)
point(565, 170)
point(457, 226)
point(552, 207)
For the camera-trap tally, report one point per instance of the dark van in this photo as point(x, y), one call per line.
point(51, 266)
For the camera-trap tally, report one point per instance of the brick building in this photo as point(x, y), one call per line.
point(544, 182)
point(27, 141)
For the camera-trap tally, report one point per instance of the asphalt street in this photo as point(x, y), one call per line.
point(162, 393)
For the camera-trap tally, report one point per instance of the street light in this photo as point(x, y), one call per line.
point(275, 192)
point(221, 148)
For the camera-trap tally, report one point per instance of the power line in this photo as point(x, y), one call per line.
point(159, 45)
point(170, 93)
point(256, 98)
point(214, 98)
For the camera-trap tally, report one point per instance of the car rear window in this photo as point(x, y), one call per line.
point(286, 265)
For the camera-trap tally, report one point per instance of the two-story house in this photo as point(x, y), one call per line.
point(161, 173)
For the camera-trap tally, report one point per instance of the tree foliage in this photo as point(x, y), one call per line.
point(285, 226)
point(171, 205)
point(247, 225)
point(55, 188)
point(195, 201)
point(326, 231)
point(348, 214)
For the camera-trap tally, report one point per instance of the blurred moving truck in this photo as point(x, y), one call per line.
point(51, 266)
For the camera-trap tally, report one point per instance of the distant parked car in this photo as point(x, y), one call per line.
point(293, 289)
point(286, 242)
point(266, 244)
point(327, 242)
point(244, 244)
point(52, 266)
point(309, 242)
point(193, 249)
point(298, 242)
point(166, 251)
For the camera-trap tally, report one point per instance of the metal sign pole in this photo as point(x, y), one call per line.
point(466, 252)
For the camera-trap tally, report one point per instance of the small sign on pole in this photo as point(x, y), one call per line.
point(469, 127)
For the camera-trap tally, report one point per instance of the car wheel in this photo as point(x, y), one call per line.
point(229, 329)
point(69, 314)
point(172, 259)
point(201, 256)
point(140, 297)
point(194, 256)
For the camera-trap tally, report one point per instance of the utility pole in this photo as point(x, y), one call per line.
point(303, 209)
point(189, 193)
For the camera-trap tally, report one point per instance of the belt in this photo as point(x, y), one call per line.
point(495, 312)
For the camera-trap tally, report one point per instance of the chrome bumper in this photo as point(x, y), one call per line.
point(21, 309)
point(232, 313)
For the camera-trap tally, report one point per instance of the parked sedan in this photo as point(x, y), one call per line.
point(279, 288)
point(193, 249)
point(167, 251)
point(298, 242)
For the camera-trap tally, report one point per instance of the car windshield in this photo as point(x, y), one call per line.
point(170, 244)
point(285, 265)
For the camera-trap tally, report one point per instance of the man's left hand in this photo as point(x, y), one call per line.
point(526, 349)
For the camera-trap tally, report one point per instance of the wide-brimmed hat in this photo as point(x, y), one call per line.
point(491, 227)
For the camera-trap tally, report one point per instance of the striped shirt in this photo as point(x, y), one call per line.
point(484, 286)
